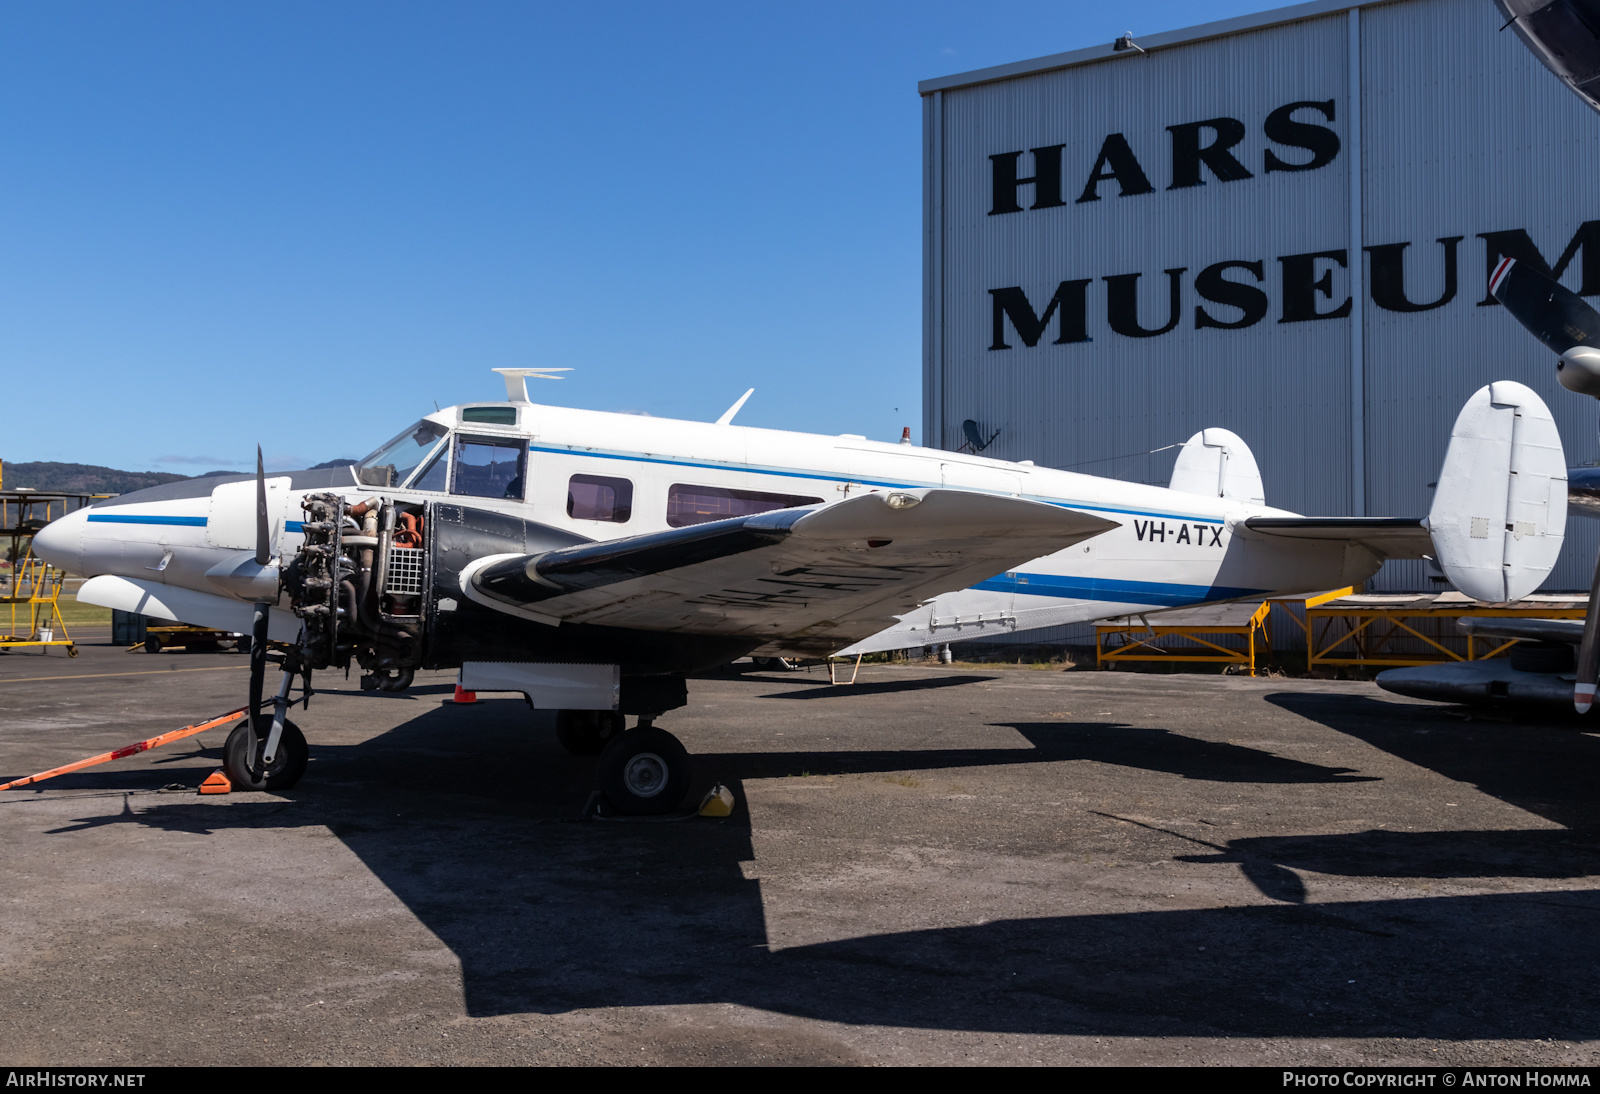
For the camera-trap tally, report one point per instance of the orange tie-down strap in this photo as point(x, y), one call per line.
point(128, 750)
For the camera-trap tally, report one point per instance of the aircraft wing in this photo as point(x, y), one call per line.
point(812, 579)
point(1386, 537)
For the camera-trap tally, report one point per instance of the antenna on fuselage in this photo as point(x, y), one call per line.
point(727, 415)
point(517, 380)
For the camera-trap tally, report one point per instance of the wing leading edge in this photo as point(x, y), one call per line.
point(811, 580)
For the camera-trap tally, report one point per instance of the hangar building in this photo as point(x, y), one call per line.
point(1281, 224)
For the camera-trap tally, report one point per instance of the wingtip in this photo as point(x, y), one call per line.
point(1499, 274)
point(1583, 697)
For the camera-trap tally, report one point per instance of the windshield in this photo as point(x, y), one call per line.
point(392, 464)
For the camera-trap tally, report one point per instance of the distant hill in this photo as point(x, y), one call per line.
point(87, 478)
point(82, 478)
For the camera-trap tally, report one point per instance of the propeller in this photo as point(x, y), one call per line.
point(1570, 328)
point(1556, 316)
point(258, 629)
point(263, 533)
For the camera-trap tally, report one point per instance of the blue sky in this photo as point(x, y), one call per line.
point(303, 224)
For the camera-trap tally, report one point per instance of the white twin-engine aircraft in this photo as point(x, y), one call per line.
point(591, 560)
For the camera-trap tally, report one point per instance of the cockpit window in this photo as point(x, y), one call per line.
point(392, 464)
point(433, 475)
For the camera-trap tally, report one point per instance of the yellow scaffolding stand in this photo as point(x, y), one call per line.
point(35, 589)
point(30, 589)
point(1360, 630)
point(1341, 627)
point(1143, 640)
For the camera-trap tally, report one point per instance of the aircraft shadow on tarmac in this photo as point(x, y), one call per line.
point(1542, 766)
point(822, 689)
point(466, 819)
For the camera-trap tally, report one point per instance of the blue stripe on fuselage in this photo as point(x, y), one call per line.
point(1123, 592)
point(184, 522)
point(188, 522)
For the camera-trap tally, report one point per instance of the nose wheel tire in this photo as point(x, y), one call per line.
point(644, 772)
point(287, 766)
point(586, 732)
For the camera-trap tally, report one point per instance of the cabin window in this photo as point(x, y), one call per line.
point(688, 505)
point(485, 468)
point(594, 497)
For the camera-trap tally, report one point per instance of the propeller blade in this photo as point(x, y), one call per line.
point(1588, 673)
point(263, 533)
point(1553, 313)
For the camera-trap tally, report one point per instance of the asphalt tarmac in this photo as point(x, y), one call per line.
point(934, 865)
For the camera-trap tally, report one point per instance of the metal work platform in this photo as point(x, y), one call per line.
point(30, 589)
point(1195, 628)
point(1417, 629)
point(1342, 628)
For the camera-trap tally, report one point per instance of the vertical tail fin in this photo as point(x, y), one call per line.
point(1500, 512)
point(1217, 464)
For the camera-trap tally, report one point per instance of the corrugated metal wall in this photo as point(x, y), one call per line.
point(1461, 133)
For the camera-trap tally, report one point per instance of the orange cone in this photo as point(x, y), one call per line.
point(217, 783)
point(464, 696)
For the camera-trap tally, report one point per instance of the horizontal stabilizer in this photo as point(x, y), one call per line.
point(1385, 537)
point(1500, 511)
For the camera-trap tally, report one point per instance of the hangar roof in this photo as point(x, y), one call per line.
point(1149, 43)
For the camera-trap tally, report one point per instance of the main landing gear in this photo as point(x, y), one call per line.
point(643, 771)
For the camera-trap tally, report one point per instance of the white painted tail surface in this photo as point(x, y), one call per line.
point(1218, 464)
point(1500, 511)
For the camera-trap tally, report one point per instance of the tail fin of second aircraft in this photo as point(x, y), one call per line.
point(1500, 511)
point(1218, 464)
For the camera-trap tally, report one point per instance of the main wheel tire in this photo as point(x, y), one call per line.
point(586, 732)
point(287, 767)
point(644, 772)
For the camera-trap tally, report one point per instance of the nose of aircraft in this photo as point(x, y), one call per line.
point(60, 543)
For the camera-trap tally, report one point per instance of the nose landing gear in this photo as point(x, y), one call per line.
point(243, 756)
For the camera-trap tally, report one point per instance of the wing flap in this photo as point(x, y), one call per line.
point(813, 578)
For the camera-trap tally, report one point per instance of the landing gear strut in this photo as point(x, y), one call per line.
point(586, 732)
